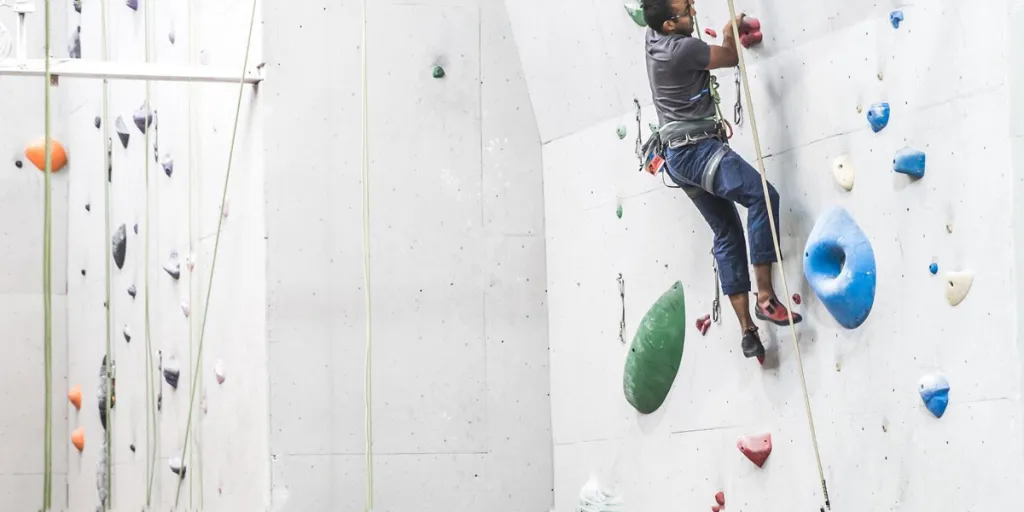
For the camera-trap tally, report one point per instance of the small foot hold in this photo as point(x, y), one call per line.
point(757, 448)
point(177, 467)
point(78, 439)
point(173, 266)
point(878, 116)
point(720, 498)
point(933, 268)
point(218, 370)
point(127, 334)
point(896, 17)
point(132, 291)
point(132, 4)
point(75, 396)
point(843, 171)
point(172, 373)
point(621, 132)
point(711, 32)
point(437, 72)
point(909, 161)
point(703, 324)
point(934, 389)
point(958, 285)
point(797, 299)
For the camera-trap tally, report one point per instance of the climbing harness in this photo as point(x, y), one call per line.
point(216, 245)
point(622, 323)
point(778, 253)
point(737, 115)
point(716, 305)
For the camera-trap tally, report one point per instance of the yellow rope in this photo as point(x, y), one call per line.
point(216, 245)
point(778, 249)
point(47, 286)
point(365, 166)
point(108, 271)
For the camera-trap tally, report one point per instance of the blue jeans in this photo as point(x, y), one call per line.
point(735, 182)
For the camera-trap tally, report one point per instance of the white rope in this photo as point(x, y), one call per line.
point(778, 249)
point(365, 167)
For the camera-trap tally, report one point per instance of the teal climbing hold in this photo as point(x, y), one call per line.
point(437, 72)
point(636, 12)
point(621, 131)
point(909, 161)
point(618, 211)
point(656, 351)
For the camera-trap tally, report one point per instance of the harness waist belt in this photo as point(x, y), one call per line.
point(682, 130)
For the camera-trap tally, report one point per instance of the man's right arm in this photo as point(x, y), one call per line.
point(725, 56)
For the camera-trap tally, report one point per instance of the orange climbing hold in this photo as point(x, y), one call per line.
point(78, 438)
point(36, 153)
point(75, 396)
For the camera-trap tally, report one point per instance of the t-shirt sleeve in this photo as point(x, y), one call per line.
point(691, 53)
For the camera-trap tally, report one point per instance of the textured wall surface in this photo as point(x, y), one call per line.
point(460, 379)
point(949, 75)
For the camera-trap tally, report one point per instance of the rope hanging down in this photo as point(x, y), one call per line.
point(778, 250)
point(365, 172)
point(47, 286)
point(216, 246)
point(105, 175)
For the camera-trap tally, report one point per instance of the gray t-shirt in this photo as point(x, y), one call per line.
point(677, 68)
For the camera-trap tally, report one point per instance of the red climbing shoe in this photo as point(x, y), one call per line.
point(751, 344)
point(774, 312)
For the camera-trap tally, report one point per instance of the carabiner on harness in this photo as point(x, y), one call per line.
point(738, 108)
point(716, 306)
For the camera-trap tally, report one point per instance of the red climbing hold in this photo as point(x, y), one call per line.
point(751, 38)
point(716, 508)
point(711, 32)
point(757, 448)
point(797, 299)
point(720, 498)
point(760, 359)
point(703, 324)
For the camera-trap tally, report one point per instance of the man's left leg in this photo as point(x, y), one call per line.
point(738, 181)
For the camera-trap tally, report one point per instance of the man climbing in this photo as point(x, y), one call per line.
point(697, 158)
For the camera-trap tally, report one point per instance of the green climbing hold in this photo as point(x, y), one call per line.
point(618, 211)
point(636, 11)
point(657, 349)
point(653, 127)
point(621, 131)
point(438, 72)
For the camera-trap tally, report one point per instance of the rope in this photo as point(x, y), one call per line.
point(196, 474)
point(216, 246)
point(105, 176)
point(778, 249)
point(153, 442)
point(365, 166)
point(47, 286)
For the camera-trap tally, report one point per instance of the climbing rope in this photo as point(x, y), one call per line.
point(47, 285)
point(778, 250)
point(196, 475)
point(105, 175)
point(216, 246)
point(365, 169)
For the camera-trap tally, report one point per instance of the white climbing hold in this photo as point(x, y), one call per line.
point(842, 169)
point(190, 262)
point(185, 309)
point(127, 334)
point(958, 285)
point(594, 498)
point(218, 370)
point(226, 208)
point(176, 466)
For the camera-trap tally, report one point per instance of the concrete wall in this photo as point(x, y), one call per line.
point(228, 469)
point(22, 380)
point(460, 378)
point(947, 73)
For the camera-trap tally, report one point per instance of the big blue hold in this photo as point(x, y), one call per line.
point(909, 161)
point(840, 267)
point(878, 116)
point(934, 391)
point(896, 17)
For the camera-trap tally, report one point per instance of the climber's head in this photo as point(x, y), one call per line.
point(670, 16)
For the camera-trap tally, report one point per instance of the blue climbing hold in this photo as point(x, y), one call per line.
point(934, 391)
point(896, 17)
point(933, 268)
point(878, 116)
point(909, 161)
point(839, 264)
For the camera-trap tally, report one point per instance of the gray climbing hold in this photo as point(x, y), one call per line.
point(78, 6)
point(122, 131)
point(621, 131)
point(186, 309)
point(170, 36)
point(101, 396)
point(132, 447)
point(97, 121)
point(120, 244)
point(636, 12)
point(88, 207)
point(173, 266)
point(143, 118)
point(136, 228)
point(132, 4)
point(171, 373)
point(101, 475)
point(176, 466)
point(218, 370)
point(168, 164)
point(132, 291)
point(75, 44)
point(127, 334)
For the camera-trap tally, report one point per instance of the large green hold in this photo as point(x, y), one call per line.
point(657, 349)
point(636, 11)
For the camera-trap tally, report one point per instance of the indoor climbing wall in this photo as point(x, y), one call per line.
point(21, 300)
point(459, 377)
point(875, 387)
point(166, 180)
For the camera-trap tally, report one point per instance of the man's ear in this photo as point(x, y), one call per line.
point(668, 27)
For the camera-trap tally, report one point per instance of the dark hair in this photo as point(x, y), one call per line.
point(656, 13)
